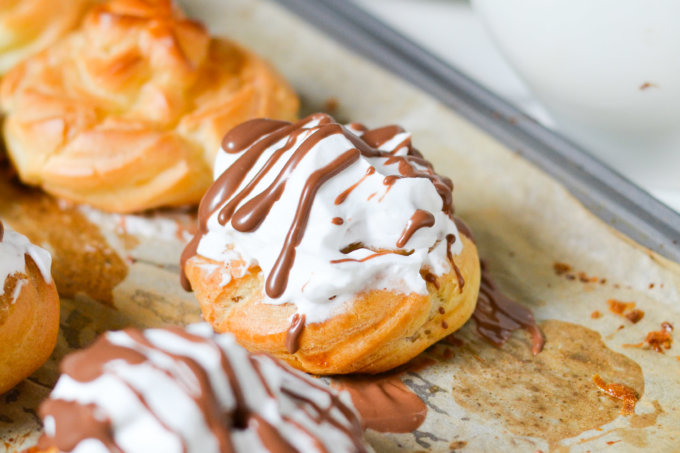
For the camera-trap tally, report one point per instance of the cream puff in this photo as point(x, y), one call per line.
point(127, 112)
point(29, 26)
point(29, 308)
point(331, 247)
point(190, 391)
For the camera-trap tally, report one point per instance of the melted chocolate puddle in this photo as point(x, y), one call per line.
point(384, 402)
point(497, 316)
point(83, 261)
point(552, 394)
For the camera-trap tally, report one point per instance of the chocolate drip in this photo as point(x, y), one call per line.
point(2, 231)
point(73, 423)
point(450, 240)
point(405, 165)
point(497, 316)
point(343, 196)
point(253, 139)
point(294, 331)
point(463, 228)
point(431, 278)
point(419, 219)
point(337, 221)
point(459, 277)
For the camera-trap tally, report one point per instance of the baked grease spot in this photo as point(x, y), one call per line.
point(551, 394)
point(82, 259)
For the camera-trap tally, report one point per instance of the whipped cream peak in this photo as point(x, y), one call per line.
point(14, 248)
point(190, 391)
point(327, 212)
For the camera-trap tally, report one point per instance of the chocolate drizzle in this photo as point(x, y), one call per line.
point(343, 196)
point(497, 316)
point(88, 365)
point(253, 138)
point(378, 137)
point(408, 168)
point(354, 431)
point(294, 332)
point(277, 279)
point(419, 219)
point(271, 439)
point(75, 422)
point(205, 398)
point(373, 255)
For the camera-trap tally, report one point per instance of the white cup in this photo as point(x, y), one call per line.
point(608, 71)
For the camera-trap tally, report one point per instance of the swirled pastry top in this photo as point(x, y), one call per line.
point(326, 212)
point(28, 26)
point(14, 248)
point(127, 112)
point(190, 391)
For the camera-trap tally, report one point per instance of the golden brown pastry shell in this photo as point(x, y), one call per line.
point(378, 331)
point(127, 113)
point(28, 327)
point(29, 26)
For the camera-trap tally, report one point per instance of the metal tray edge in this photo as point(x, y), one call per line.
point(606, 193)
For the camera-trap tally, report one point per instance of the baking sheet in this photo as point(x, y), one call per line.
point(607, 194)
point(115, 271)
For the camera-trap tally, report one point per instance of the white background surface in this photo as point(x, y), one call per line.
point(451, 30)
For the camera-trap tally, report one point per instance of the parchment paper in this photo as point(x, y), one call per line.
point(480, 398)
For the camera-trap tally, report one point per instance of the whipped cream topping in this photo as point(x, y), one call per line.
point(326, 212)
point(13, 250)
point(191, 391)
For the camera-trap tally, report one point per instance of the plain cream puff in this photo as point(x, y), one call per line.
point(29, 308)
point(127, 112)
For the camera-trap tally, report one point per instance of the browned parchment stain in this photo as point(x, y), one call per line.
point(550, 395)
point(633, 436)
point(83, 261)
